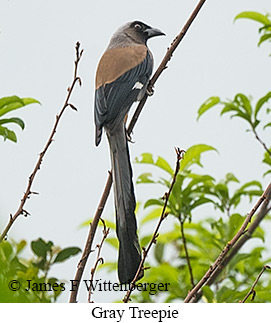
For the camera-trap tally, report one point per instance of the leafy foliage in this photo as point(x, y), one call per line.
point(9, 104)
point(265, 30)
point(205, 238)
point(241, 107)
point(33, 271)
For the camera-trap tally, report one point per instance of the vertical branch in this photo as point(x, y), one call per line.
point(252, 290)
point(164, 214)
point(28, 192)
point(161, 68)
point(187, 254)
point(92, 230)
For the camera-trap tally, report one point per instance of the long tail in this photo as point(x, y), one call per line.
point(129, 249)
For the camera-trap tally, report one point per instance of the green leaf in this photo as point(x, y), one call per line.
point(263, 19)
point(8, 134)
point(11, 103)
point(85, 224)
point(193, 154)
point(267, 172)
point(145, 158)
point(8, 100)
point(227, 295)
point(239, 257)
point(267, 158)
point(66, 253)
point(231, 178)
point(170, 236)
point(7, 250)
point(265, 28)
point(267, 161)
point(243, 101)
point(144, 178)
point(200, 201)
point(260, 103)
point(261, 296)
point(263, 38)
point(208, 104)
point(27, 101)
point(40, 247)
point(20, 246)
point(240, 106)
point(113, 242)
point(154, 214)
point(18, 121)
point(235, 222)
point(151, 202)
point(199, 183)
point(208, 293)
point(163, 164)
point(259, 233)
point(222, 189)
point(251, 183)
point(159, 252)
point(267, 125)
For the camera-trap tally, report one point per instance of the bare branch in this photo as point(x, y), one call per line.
point(187, 254)
point(252, 290)
point(179, 153)
point(99, 259)
point(87, 250)
point(261, 142)
point(28, 192)
point(161, 68)
point(192, 294)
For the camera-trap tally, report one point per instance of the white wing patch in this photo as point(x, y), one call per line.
point(138, 86)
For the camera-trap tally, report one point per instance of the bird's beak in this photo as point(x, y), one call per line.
point(152, 32)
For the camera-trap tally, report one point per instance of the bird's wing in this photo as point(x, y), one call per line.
point(116, 92)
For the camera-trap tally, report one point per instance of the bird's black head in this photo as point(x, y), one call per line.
point(142, 32)
point(135, 32)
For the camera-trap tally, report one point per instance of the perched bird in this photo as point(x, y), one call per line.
point(122, 78)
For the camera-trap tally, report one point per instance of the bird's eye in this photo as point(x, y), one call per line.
point(138, 26)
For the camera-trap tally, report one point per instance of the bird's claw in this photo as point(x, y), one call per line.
point(150, 90)
point(129, 138)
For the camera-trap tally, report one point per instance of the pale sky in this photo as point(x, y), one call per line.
point(37, 38)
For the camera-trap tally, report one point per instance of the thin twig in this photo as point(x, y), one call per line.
point(187, 254)
point(99, 259)
point(161, 68)
point(261, 142)
point(192, 294)
point(252, 290)
point(27, 194)
point(164, 214)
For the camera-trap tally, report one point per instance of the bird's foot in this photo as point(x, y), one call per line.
point(129, 137)
point(150, 90)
